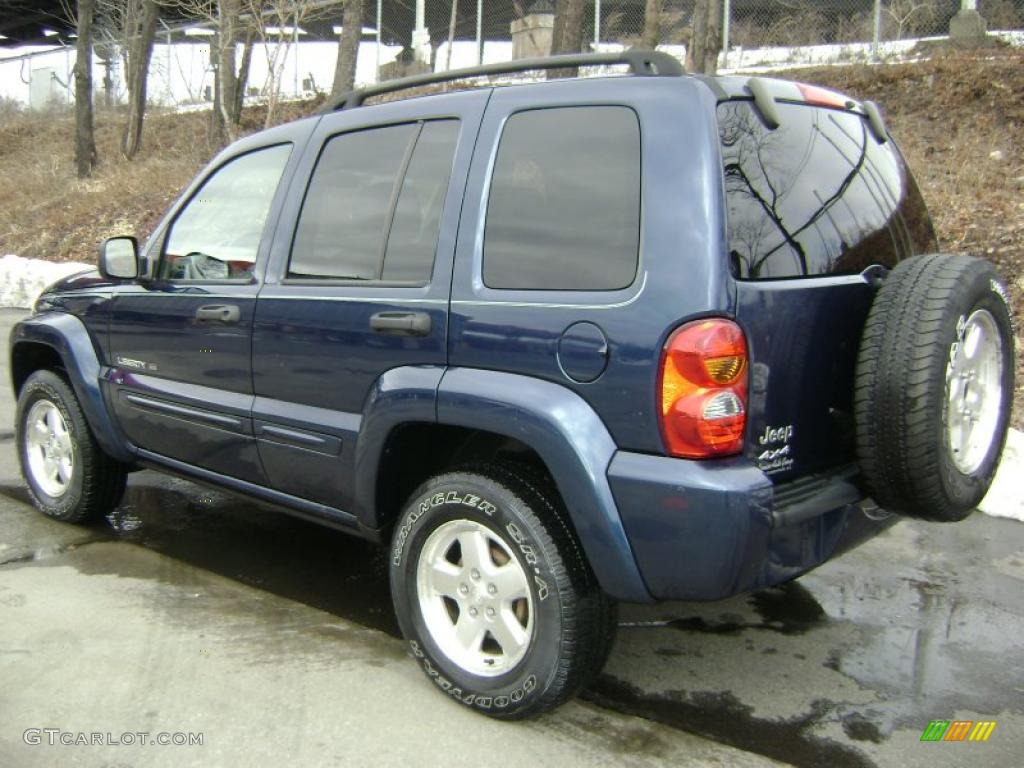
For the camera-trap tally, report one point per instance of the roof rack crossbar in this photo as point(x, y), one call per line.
point(644, 63)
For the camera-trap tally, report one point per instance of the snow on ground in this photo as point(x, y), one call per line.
point(22, 280)
point(1006, 496)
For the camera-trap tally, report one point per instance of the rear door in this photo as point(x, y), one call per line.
point(359, 282)
point(181, 376)
point(815, 208)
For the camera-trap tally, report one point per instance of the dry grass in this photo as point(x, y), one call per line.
point(46, 212)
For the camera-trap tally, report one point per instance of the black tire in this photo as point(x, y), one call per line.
point(901, 400)
point(97, 482)
point(572, 619)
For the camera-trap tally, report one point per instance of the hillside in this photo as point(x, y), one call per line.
point(959, 119)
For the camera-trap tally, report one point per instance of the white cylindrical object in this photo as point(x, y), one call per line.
point(726, 15)
point(376, 72)
point(480, 32)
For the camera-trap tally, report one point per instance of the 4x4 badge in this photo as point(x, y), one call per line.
point(775, 441)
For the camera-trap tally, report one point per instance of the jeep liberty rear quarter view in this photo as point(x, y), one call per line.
point(556, 345)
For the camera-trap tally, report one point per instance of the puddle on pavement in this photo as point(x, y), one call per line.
point(244, 541)
point(926, 634)
point(721, 716)
point(905, 635)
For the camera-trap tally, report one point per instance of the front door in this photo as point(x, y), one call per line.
point(180, 342)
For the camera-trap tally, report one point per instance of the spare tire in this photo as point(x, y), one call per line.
point(934, 386)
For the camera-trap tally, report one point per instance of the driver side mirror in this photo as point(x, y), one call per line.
point(119, 258)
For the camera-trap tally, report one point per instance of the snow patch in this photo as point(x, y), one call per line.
point(1006, 496)
point(22, 280)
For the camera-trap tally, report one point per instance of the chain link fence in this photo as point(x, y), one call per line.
point(404, 37)
point(761, 23)
point(467, 32)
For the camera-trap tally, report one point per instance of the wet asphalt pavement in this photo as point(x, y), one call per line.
point(190, 610)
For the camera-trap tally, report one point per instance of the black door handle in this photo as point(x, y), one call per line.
point(401, 323)
point(218, 313)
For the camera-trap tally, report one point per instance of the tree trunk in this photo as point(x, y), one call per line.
point(276, 65)
point(225, 77)
point(567, 36)
point(140, 51)
point(243, 76)
point(348, 48)
point(85, 141)
point(652, 24)
point(706, 38)
point(451, 33)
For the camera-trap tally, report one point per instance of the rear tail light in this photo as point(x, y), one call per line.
point(702, 389)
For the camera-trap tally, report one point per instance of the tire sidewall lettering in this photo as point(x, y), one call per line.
point(471, 500)
point(471, 698)
point(506, 692)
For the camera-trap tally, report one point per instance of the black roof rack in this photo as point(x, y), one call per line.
point(644, 63)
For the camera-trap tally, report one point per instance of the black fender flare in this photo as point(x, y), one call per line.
point(66, 335)
point(554, 421)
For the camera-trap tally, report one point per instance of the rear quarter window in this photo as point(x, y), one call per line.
point(563, 210)
point(818, 195)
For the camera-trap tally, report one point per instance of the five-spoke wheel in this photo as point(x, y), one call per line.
point(474, 597)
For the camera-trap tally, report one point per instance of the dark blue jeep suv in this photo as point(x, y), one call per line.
point(557, 344)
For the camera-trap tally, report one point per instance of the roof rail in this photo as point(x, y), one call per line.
point(644, 63)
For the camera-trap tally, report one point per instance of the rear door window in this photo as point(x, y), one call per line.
point(817, 195)
point(373, 207)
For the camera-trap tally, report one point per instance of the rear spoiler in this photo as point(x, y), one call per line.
point(768, 93)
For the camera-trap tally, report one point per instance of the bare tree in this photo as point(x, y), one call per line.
point(567, 36)
point(139, 31)
point(85, 140)
point(452, 19)
point(242, 77)
point(225, 17)
point(348, 47)
point(652, 24)
point(225, 87)
point(911, 17)
point(283, 34)
point(706, 37)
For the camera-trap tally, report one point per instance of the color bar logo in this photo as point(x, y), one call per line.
point(958, 730)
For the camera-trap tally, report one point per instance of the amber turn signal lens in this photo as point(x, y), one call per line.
point(724, 370)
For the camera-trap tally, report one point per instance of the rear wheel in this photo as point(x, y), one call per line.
point(493, 594)
point(934, 386)
point(69, 477)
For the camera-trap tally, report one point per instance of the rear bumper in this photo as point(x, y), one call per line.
point(708, 530)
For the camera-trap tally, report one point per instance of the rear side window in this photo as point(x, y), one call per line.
point(373, 206)
point(563, 211)
point(818, 195)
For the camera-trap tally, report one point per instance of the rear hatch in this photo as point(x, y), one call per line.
point(819, 204)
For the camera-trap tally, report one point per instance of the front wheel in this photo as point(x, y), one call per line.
point(493, 594)
point(69, 477)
